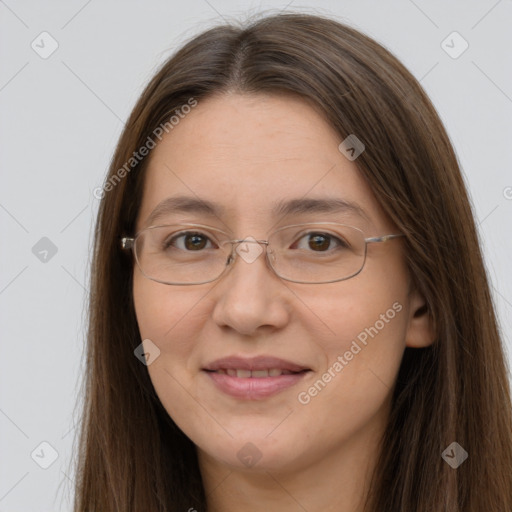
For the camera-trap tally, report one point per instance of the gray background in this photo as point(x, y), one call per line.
point(60, 118)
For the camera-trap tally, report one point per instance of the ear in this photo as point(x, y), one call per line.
point(420, 329)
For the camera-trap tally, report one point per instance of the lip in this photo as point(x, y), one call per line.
point(254, 388)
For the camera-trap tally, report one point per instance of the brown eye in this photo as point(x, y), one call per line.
point(319, 242)
point(188, 241)
point(195, 241)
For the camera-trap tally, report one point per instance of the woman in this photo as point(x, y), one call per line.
point(289, 308)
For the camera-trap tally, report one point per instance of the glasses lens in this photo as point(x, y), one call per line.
point(317, 253)
point(180, 254)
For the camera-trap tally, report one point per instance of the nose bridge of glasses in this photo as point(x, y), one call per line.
point(248, 239)
point(248, 248)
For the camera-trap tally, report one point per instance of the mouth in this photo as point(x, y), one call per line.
point(254, 378)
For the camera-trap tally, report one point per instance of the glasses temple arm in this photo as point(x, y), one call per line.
point(384, 238)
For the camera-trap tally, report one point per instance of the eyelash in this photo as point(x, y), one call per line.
point(168, 243)
point(340, 243)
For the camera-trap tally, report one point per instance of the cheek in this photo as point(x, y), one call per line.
point(362, 358)
point(359, 312)
point(163, 312)
point(363, 347)
point(173, 318)
point(167, 315)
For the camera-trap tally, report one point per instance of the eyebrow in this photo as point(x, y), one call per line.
point(189, 204)
point(184, 204)
point(320, 205)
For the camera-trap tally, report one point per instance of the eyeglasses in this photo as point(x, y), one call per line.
point(311, 253)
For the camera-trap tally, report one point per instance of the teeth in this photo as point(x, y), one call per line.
point(257, 374)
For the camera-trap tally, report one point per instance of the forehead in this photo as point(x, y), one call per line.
point(247, 153)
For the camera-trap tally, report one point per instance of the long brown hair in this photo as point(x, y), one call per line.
point(131, 455)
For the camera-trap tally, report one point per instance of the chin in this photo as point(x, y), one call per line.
point(258, 452)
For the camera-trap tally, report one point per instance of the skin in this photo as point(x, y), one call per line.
point(246, 152)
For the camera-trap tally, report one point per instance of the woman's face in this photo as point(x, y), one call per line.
point(245, 155)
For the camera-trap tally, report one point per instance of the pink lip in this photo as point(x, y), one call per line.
point(254, 388)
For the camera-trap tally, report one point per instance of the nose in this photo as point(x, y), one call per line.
point(250, 297)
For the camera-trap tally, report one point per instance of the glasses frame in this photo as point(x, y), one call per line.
point(128, 243)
